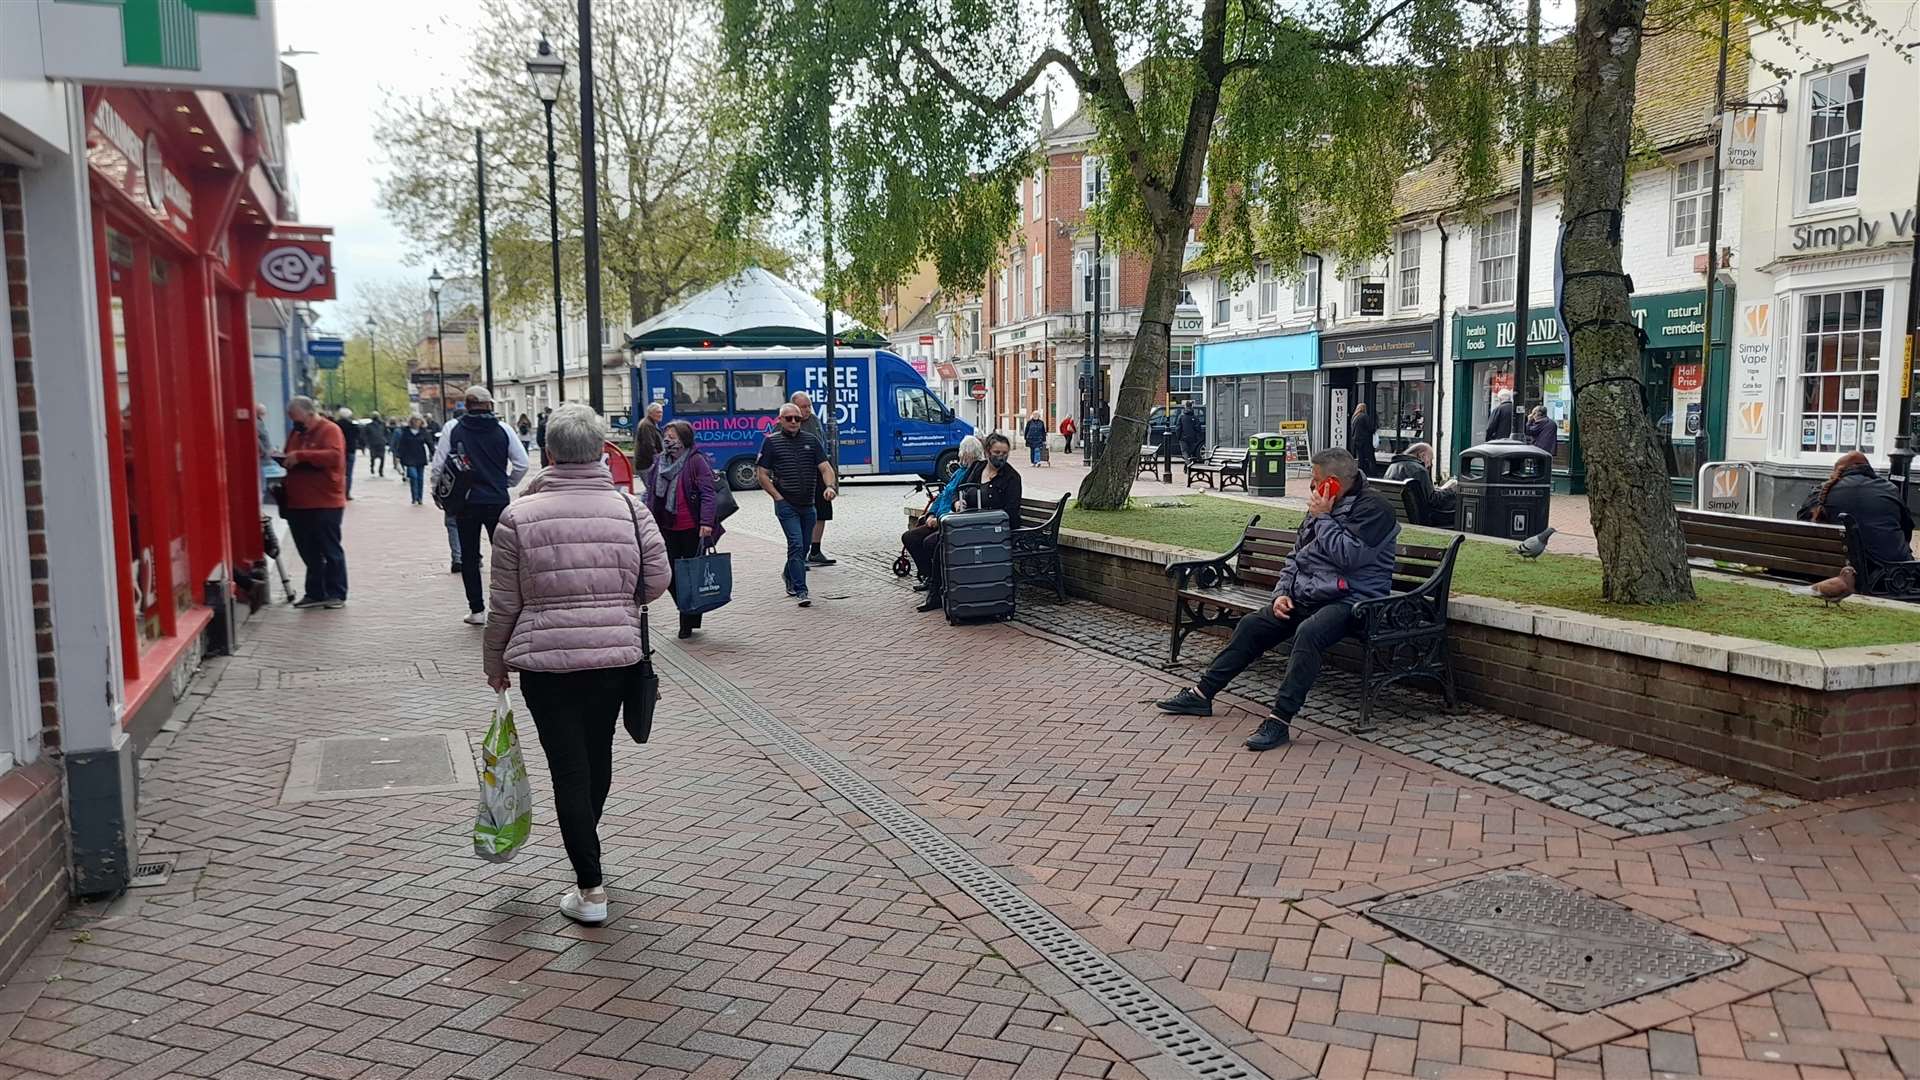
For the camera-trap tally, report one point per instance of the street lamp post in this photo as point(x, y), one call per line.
point(590, 213)
point(373, 362)
point(434, 283)
point(547, 72)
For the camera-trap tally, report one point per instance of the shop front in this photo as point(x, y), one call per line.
point(1686, 401)
point(182, 216)
point(1391, 370)
point(1252, 384)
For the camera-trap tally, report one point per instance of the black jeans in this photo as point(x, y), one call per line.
point(923, 545)
point(316, 535)
point(472, 518)
point(574, 713)
point(1313, 630)
point(682, 544)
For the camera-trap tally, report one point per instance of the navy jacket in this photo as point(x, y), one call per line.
point(1345, 555)
point(484, 440)
point(1873, 502)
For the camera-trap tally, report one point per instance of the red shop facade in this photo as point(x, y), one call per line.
point(183, 211)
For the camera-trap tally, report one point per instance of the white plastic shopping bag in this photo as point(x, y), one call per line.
point(505, 817)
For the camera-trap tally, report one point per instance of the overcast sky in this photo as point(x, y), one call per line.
point(365, 49)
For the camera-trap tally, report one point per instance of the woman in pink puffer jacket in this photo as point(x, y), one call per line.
point(573, 559)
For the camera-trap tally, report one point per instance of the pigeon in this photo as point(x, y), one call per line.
point(1532, 546)
point(1836, 588)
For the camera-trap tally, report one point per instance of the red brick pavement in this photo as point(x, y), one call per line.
point(764, 927)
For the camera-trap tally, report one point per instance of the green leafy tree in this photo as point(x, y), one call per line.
point(655, 64)
point(1301, 116)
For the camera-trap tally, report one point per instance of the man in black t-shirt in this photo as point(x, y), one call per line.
point(793, 468)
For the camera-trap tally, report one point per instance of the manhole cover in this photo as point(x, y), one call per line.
point(1573, 951)
point(363, 766)
point(366, 673)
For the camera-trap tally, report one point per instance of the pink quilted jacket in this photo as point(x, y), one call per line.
point(564, 570)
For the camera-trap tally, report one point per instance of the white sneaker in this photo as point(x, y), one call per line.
point(581, 910)
point(475, 618)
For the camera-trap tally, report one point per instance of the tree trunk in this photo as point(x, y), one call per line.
point(1107, 486)
point(1642, 554)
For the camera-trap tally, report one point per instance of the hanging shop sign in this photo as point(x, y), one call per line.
point(135, 162)
point(1672, 321)
point(946, 370)
point(1743, 140)
point(971, 369)
point(1412, 343)
point(1373, 298)
point(1753, 369)
point(296, 268)
point(198, 44)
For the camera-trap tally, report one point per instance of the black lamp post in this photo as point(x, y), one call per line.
point(547, 72)
point(590, 217)
point(434, 282)
point(373, 361)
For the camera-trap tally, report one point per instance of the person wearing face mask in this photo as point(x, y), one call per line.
point(990, 484)
point(316, 498)
point(680, 492)
point(793, 468)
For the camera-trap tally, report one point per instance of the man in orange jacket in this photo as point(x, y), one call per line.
point(315, 500)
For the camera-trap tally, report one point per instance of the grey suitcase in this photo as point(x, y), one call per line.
point(976, 559)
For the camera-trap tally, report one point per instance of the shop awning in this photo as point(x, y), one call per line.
point(753, 309)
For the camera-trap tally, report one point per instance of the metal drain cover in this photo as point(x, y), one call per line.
point(1571, 950)
point(148, 874)
point(364, 766)
point(350, 676)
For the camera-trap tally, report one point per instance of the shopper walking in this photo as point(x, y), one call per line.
point(411, 452)
point(1361, 430)
point(1067, 428)
point(350, 439)
point(574, 559)
point(540, 434)
point(793, 468)
point(681, 494)
point(647, 437)
point(486, 450)
point(316, 498)
point(1036, 438)
point(1193, 434)
point(376, 440)
point(810, 424)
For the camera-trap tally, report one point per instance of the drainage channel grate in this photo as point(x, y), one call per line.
point(1570, 949)
point(1112, 985)
point(347, 676)
point(148, 874)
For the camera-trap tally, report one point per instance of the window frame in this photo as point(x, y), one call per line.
point(1267, 298)
point(1083, 280)
point(1510, 257)
point(1037, 194)
point(734, 384)
point(1797, 376)
point(1400, 268)
point(1019, 309)
point(1701, 196)
point(1093, 177)
point(698, 405)
point(1037, 282)
point(1222, 303)
point(1803, 152)
point(1306, 287)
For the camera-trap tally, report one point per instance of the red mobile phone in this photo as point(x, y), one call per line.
point(1328, 489)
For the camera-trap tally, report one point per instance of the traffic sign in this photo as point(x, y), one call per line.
point(327, 352)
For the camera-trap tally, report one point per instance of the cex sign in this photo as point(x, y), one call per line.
point(295, 269)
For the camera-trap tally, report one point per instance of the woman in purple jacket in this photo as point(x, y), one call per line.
point(679, 487)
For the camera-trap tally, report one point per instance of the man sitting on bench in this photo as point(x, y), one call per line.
point(1344, 554)
point(1438, 505)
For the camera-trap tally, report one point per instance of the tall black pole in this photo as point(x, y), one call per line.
point(486, 272)
point(590, 202)
point(1713, 238)
point(1099, 391)
point(440, 348)
point(373, 361)
point(553, 235)
point(826, 244)
point(1905, 424)
point(1523, 238)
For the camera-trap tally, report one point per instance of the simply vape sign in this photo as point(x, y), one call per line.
point(201, 44)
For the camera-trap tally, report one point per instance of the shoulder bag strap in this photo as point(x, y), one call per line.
point(640, 583)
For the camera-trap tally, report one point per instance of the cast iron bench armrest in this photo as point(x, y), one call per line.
point(1212, 571)
point(1419, 610)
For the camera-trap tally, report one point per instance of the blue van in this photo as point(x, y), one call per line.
point(890, 423)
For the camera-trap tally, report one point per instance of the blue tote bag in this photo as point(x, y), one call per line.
point(703, 582)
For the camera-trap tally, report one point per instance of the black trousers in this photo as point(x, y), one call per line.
point(1312, 630)
point(316, 535)
point(471, 520)
point(923, 546)
point(682, 544)
point(574, 713)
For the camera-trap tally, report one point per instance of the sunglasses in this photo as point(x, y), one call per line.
point(789, 419)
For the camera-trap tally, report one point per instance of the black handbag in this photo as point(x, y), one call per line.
point(643, 683)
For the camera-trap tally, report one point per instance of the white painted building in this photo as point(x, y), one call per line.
point(525, 363)
point(1824, 282)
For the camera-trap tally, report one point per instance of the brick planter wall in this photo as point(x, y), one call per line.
point(1811, 741)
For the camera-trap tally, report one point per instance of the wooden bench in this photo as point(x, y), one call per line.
point(1402, 635)
point(1221, 468)
point(1036, 544)
point(1149, 460)
point(1895, 581)
point(1798, 551)
point(1399, 495)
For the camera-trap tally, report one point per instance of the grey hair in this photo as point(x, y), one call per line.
point(304, 404)
point(1340, 465)
point(971, 450)
point(575, 434)
point(1539, 413)
point(1421, 450)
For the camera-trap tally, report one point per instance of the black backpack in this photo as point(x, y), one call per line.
point(453, 482)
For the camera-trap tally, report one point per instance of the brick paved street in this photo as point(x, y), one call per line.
point(766, 925)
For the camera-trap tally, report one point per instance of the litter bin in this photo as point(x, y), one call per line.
point(1505, 487)
point(1267, 464)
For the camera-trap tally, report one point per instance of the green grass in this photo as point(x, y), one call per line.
point(1206, 523)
